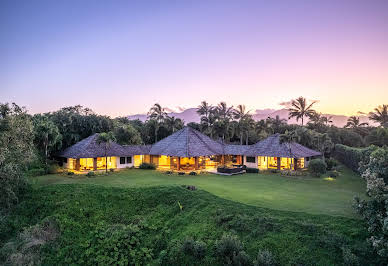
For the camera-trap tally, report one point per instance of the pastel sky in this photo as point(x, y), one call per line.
point(120, 57)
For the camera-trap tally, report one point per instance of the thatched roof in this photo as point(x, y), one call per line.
point(272, 147)
point(89, 148)
point(187, 142)
point(233, 149)
point(136, 149)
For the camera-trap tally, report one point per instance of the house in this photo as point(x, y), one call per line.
point(187, 149)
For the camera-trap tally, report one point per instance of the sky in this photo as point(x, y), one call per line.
point(120, 57)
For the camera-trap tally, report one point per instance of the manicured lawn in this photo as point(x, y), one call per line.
point(301, 194)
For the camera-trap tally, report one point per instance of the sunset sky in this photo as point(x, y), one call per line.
point(120, 57)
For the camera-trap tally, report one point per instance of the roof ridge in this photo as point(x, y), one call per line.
point(222, 145)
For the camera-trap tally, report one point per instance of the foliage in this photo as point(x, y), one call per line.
point(264, 258)
point(317, 167)
point(148, 166)
point(375, 210)
point(94, 220)
point(126, 134)
point(252, 170)
point(331, 163)
point(378, 137)
point(16, 151)
point(380, 115)
point(334, 173)
point(352, 157)
point(300, 109)
point(193, 173)
point(90, 174)
point(196, 249)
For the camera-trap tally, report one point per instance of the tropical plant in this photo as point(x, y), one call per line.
point(106, 139)
point(158, 114)
point(317, 167)
point(300, 109)
point(244, 121)
point(224, 115)
point(354, 122)
point(46, 135)
point(380, 115)
point(173, 124)
point(276, 124)
point(126, 134)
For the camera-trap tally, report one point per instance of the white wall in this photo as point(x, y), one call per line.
point(126, 164)
point(250, 165)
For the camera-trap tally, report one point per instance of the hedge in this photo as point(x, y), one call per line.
point(350, 156)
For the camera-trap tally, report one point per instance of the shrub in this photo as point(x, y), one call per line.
point(193, 173)
point(181, 173)
point(317, 167)
point(349, 258)
point(168, 172)
point(351, 157)
point(330, 163)
point(334, 173)
point(70, 173)
point(264, 258)
point(147, 166)
point(111, 170)
point(197, 249)
point(36, 172)
point(274, 171)
point(252, 170)
point(241, 259)
point(227, 247)
point(90, 174)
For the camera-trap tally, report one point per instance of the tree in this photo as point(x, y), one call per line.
point(380, 115)
point(289, 137)
point(106, 139)
point(46, 136)
point(243, 118)
point(223, 115)
point(354, 122)
point(157, 114)
point(126, 134)
point(300, 109)
point(16, 151)
point(276, 124)
point(173, 124)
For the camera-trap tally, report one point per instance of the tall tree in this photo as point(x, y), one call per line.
point(126, 134)
point(224, 115)
point(242, 116)
point(158, 114)
point(276, 124)
point(380, 115)
point(46, 136)
point(206, 113)
point(106, 139)
point(300, 109)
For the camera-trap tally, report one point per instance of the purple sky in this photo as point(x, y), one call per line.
point(120, 57)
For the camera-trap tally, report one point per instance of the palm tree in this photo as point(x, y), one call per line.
point(276, 123)
point(327, 120)
point(242, 116)
point(223, 115)
point(173, 123)
point(207, 123)
point(300, 109)
point(380, 115)
point(289, 137)
point(158, 114)
point(354, 122)
point(106, 139)
point(205, 111)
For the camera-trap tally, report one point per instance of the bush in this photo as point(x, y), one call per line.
point(91, 174)
point(334, 173)
point(351, 157)
point(228, 247)
point(330, 163)
point(111, 170)
point(70, 173)
point(181, 173)
point(36, 172)
point(147, 166)
point(252, 170)
point(349, 258)
point(317, 167)
point(197, 249)
point(264, 258)
point(193, 173)
point(274, 171)
point(168, 172)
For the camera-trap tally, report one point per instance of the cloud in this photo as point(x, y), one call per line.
point(286, 104)
point(168, 110)
point(180, 108)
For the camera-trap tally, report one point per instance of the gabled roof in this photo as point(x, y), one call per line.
point(187, 142)
point(89, 148)
point(233, 149)
point(272, 147)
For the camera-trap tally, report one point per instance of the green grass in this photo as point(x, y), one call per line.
point(298, 194)
point(93, 222)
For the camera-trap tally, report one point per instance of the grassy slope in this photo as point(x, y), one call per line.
point(303, 194)
point(295, 238)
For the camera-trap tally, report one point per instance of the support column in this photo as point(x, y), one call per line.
point(223, 160)
point(295, 163)
point(77, 164)
point(278, 162)
point(94, 164)
point(196, 163)
point(178, 165)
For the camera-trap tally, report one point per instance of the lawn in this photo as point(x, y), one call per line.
point(298, 194)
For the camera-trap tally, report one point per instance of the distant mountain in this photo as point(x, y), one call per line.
point(190, 115)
